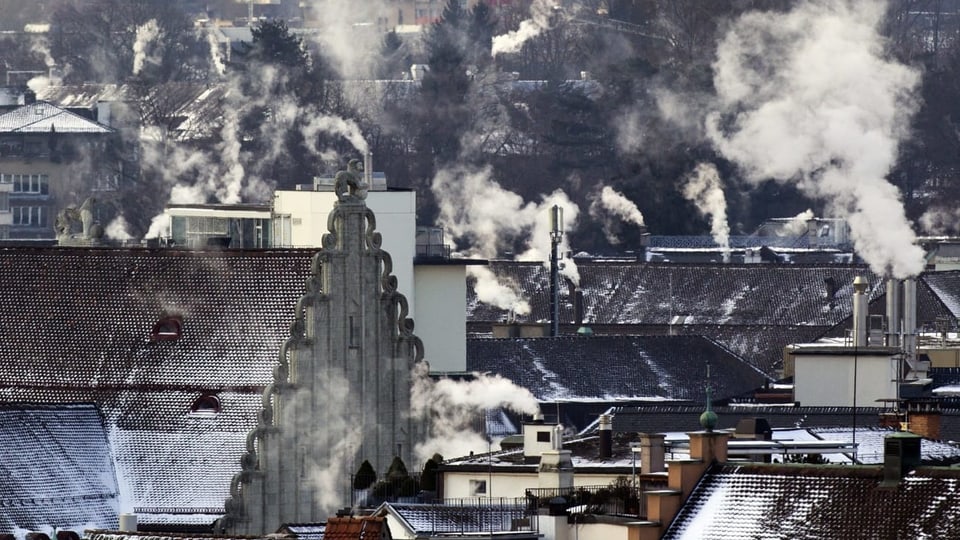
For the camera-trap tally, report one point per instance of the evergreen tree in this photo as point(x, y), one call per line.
point(365, 476)
point(397, 470)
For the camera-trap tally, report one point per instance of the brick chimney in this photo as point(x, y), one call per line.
point(923, 418)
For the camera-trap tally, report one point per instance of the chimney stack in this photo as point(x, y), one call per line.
point(652, 453)
point(893, 312)
point(128, 522)
point(910, 321)
point(860, 310)
point(606, 437)
point(901, 454)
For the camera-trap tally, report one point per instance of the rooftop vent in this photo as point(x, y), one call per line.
point(206, 404)
point(168, 328)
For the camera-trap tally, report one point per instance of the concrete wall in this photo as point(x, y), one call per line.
point(827, 380)
point(441, 296)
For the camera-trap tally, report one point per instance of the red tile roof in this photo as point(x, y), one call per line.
point(357, 528)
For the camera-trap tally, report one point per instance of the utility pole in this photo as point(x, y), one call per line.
point(556, 234)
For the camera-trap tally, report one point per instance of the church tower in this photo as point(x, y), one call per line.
point(341, 390)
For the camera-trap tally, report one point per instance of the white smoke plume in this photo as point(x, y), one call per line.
point(808, 97)
point(327, 473)
point(940, 221)
point(143, 51)
point(454, 405)
point(349, 36)
point(798, 223)
point(334, 125)
point(541, 12)
point(475, 209)
point(118, 229)
point(495, 292)
point(216, 54)
point(611, 201)
point(704, 188)
point(40, 45)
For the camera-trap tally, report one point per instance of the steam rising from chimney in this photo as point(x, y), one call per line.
point(705, 190)
point(216, 55)
point(808, 97)
point(40, 45)
point(798, 224)
point(539, 21)
point(613, 202)
point(476, 210)
point(118, 230)
point(454, 405)
point(146, 33)
point(941, 220)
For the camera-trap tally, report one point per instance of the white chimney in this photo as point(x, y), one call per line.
point(103, 113)
point(893, 312)
point(860, 310)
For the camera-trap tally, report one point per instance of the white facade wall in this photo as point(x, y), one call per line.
point(441, 294)
point(457, 485)
point(828, 380)
point(395, 212)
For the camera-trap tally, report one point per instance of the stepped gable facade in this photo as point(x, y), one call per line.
point(341, 391)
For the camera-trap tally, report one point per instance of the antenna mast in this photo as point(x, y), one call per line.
point(556, 234)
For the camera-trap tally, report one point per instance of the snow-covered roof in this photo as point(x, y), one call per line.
point(818, 502)
point(43, 117)
point(81, 327)
point(56, 469)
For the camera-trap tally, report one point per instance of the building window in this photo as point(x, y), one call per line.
point(4, 201)
point(27, 183)
point(29, 216)
point(478, 487)
point(168, 328)
point(543, 436)
point(207, 226)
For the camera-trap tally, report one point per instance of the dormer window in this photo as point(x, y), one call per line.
point(206, 404)
point(168, 328)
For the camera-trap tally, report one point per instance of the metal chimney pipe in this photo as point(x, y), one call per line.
point(859, 312)
point(910, 320)
point(556, 234)
point(128, 522)
point(606, 437)
point(893, 312)
point(368, 169)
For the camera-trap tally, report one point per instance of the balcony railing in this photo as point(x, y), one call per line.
point(612, 500)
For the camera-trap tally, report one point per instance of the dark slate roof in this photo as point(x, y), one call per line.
point(753, 310)
point(655, 293)
point(946, 287)
point(79, 324)
point(613, 367)
point(757, 501)
point(739, 242)
point(55, 469)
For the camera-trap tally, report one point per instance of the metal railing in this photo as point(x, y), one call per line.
point(613, 500)
point(473, 515)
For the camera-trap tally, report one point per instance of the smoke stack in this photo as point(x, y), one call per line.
point(893, 312)
point(556, 234)
point(910, 320)
point(859, 312)
point(606, 437)
point(368, 169)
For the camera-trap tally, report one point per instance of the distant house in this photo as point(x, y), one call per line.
point(52, 158)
